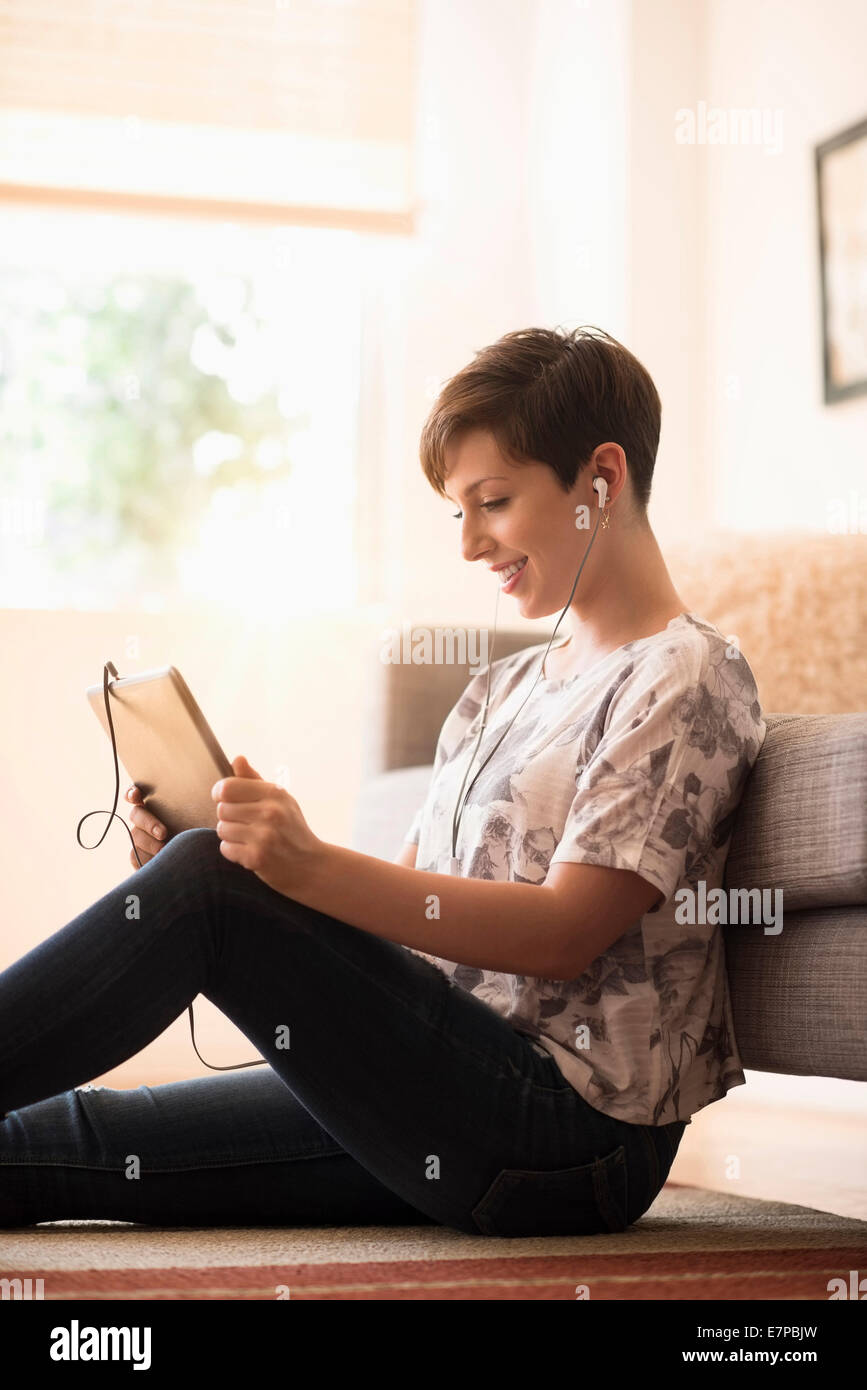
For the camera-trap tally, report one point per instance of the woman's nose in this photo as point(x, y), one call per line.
point(474, 543)
point(474, 551)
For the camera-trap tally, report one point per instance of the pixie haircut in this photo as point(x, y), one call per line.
point(551, 397)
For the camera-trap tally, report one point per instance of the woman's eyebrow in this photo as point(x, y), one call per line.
point(478, 483)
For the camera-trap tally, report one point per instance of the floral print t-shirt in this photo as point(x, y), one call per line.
point(638, 763)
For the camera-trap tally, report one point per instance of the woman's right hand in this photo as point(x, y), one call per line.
point(149, 835)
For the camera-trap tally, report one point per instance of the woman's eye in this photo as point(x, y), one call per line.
point(491, 506)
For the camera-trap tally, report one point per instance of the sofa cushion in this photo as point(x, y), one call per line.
point(801, 824)
point(798, 997)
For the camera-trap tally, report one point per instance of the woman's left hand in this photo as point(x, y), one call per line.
point(261, 827)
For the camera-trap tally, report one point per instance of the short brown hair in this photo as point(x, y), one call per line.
point(551, 396)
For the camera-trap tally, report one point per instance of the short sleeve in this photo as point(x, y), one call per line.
point(658, 791)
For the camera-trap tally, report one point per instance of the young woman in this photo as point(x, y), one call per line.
point(506, 1034)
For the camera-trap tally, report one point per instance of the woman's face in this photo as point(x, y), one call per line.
point(520, 512)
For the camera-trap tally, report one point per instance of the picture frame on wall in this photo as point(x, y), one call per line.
point(841, 196)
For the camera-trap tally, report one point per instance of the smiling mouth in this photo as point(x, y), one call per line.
point(509, 571)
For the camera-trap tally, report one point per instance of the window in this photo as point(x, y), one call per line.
point(178, 413)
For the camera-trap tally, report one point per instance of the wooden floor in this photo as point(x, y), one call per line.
point(792, 1139)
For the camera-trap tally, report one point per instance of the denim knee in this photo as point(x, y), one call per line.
point(199, 847)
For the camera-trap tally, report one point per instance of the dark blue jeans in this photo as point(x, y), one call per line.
point(391, 1095)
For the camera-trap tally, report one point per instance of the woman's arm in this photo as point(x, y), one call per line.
point(552, 930)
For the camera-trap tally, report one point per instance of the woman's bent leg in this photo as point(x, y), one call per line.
point(226, 1150)
point(429, 1090)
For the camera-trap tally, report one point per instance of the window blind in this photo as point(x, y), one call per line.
point(294, 109)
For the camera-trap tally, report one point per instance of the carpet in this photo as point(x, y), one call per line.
point(691, 1245)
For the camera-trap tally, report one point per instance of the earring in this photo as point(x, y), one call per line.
point(606, 519)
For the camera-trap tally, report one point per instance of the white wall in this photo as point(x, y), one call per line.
point(469, 277)
point(666, 254)
point(577, 185)
point(771, 448)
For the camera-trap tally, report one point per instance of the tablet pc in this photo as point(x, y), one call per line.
point(166, 745)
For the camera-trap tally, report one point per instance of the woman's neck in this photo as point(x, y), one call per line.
point(634, 597)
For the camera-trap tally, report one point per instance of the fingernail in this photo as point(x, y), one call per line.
point(157, 832)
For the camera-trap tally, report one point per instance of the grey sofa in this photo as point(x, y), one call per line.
point(799, 997)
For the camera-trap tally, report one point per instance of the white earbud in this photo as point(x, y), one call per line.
point(601, 487)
